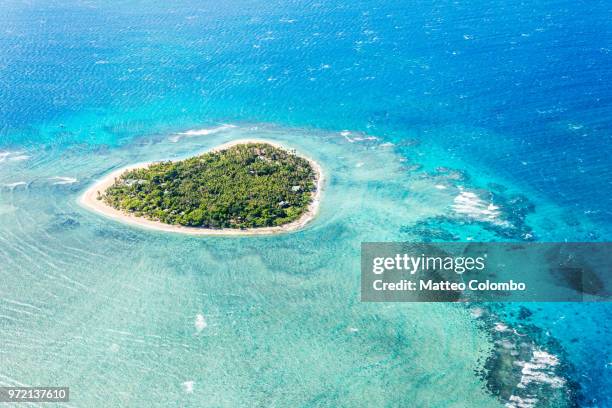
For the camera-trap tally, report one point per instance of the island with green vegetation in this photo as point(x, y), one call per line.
point(244, 186)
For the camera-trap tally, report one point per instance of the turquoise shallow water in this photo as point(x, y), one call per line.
point(163, 318)
point(280, 318)
point(422, 114)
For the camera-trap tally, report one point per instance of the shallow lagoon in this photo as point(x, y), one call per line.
point(283, 321)
point(276, 320)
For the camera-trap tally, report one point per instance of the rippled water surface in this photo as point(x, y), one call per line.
point(441, 121)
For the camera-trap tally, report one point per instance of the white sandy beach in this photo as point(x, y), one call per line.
point(90, 201)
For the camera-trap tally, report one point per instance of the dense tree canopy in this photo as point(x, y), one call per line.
point(245, 186)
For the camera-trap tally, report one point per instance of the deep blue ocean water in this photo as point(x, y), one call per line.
point(517, 94)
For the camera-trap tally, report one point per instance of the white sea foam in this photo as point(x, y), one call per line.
point(188, 386)
point(6, 156)
point(469, 204)
point(517, 402)
point(19, 157)
point(15, 184)
point(347, 135)
point(539, 370)
point(63, 180)
point(200, 323)
point(366, 138)
point(202, 132)
point(500, 327)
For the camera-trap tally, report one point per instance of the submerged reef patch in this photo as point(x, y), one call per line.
point(498, 211)
point(527, 368)
point(64, 221)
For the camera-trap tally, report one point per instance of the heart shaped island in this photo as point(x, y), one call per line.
point(244, 187)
